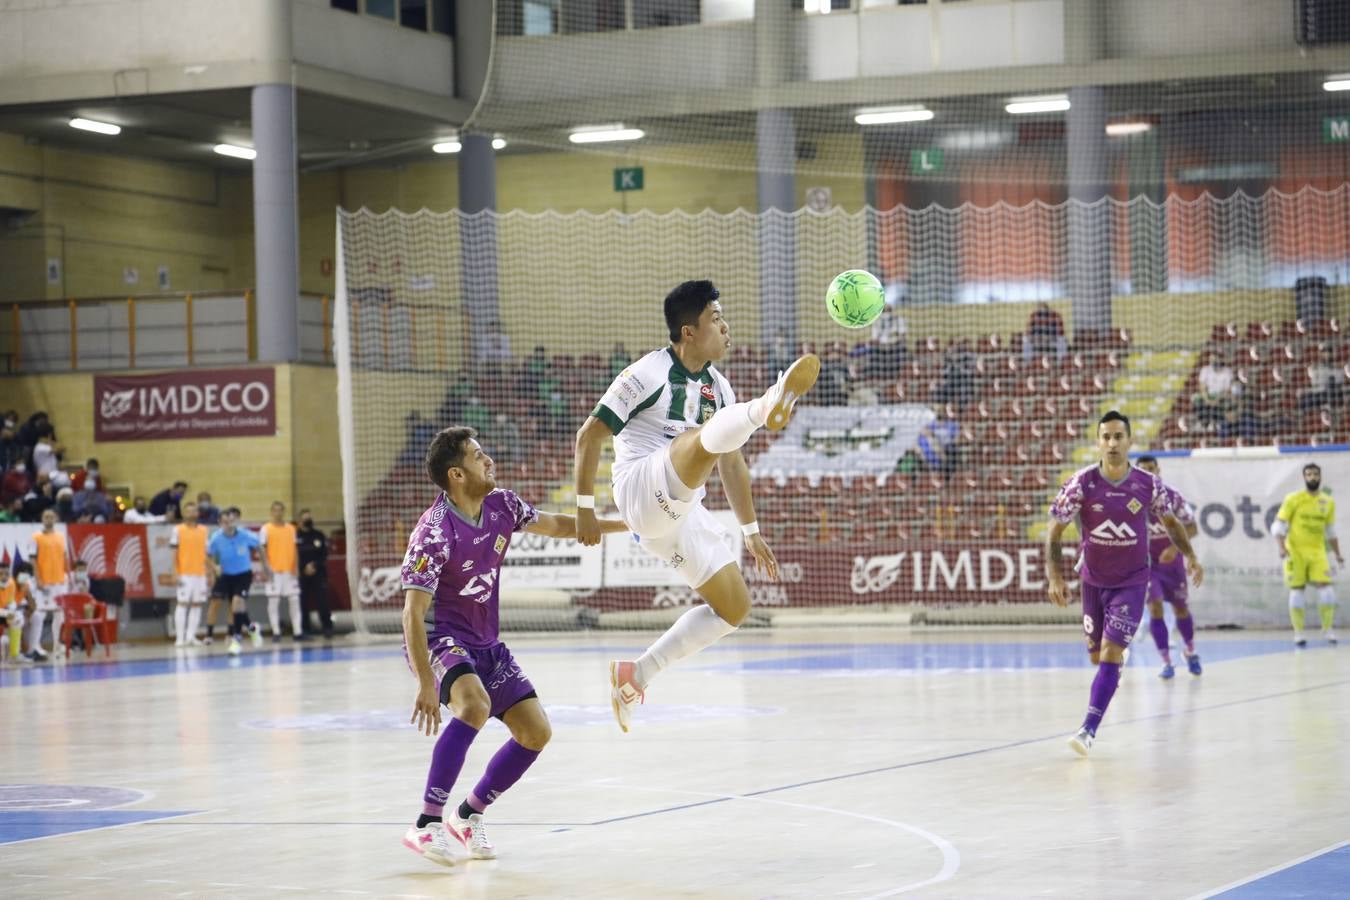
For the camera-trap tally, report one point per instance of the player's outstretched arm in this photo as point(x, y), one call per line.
point(1054, 564)
point(1177, 532)
point(560, 525)
point(736, 485)
point(590, 439)
point(427, 707)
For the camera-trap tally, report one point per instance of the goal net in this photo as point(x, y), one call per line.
point(915, 478)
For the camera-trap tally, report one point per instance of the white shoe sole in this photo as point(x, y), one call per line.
point(800, 377)
point(614, 700)
point(1078, 746)
point(439, 860)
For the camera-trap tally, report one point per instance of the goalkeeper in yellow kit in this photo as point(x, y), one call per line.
point(1304, 527)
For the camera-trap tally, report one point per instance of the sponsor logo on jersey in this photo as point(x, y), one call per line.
point(665, 505)
point(1134, 505)
point(1097, 507)
point(500, 546)
point(421, 565)
point(482, 537)
point(459, 651)
point(1114, 531)
point(468, 564)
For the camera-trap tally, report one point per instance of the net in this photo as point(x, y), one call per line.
point(915, 479)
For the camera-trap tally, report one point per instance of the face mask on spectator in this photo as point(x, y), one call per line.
point(23, 577)
point(10, 423)
point(20, 467)
point(92, 473)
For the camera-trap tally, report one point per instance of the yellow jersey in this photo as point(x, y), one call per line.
point(278, 543)
point(189, 543)
point(1307, 516)
point(50, 564)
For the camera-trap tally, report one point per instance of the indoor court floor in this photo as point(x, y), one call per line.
point(830, 763)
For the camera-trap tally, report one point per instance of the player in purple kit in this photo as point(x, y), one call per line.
point(1112, 502)
point(450, 582)
point(1167, 578)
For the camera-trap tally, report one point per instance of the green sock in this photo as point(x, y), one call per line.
point(15, 635)
point(1328, 616)
point(1296, 616)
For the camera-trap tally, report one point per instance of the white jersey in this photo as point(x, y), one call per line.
point(654, 400)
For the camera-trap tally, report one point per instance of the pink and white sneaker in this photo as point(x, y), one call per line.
point(433, 843)
point(471, 834)
point(624, 692)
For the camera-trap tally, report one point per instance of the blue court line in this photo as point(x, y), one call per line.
point(27, 826)
point(1326, 874)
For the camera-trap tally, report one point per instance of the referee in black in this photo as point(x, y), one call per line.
point(312, 547)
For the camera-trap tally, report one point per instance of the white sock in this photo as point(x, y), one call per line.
point(35, 623)
point(180, 622)
point(1296, 598)
point(297, 624)
point(1326, 596)
point(691, 632)
point(731, 426)
point(194, 619)
point(274, 613)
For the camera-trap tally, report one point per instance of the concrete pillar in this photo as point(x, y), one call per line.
point(480, 280)
point(276, 236)
point(776, 184)
point(1090, 241)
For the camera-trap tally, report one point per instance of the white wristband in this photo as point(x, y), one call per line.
point(750, 528)
point(585, 501)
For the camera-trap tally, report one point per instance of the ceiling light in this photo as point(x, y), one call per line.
point(1122, 129)
point(499, 143)
point(99, 127)
point(446, 147)
point(892, 115)
point(235, 151)
point(600, 134)
point(1336, 83)
point(1021, 106)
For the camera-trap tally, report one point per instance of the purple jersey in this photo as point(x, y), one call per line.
point(1158, 541)
point(1113, 521)
point(459, 563)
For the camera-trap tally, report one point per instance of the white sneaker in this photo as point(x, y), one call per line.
point(1081, 742)
point(785, 393)
point(38, 653)
point(235, 647)
point(471, 834)
point(1329, 635)
point(624, 692)
point(255, 635)
point(180, 643)
point(195, 642)
point(432, 843)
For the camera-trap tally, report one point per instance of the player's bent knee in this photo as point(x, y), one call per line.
point(1155, 609)
point(473, 710)
point(536, 735)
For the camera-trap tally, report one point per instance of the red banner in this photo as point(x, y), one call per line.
point(186, 404)
point(115, 550)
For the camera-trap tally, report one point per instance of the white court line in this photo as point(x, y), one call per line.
point(1271, 871)
point(951, 857)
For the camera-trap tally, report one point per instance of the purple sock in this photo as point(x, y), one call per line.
point(1186, 625)
point(1103, 686)
point(1159, 629)
point(503, 770)
point(446, 760)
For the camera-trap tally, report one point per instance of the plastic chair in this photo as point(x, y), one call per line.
point(77, 608)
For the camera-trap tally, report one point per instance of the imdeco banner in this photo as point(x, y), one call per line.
point(186, 404)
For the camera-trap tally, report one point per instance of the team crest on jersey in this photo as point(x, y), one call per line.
point(707, 403)
point(459, 651)
point(1134, 505)
point(500, 546)
point(421, 565)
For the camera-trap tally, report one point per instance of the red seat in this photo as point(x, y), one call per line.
point(88, 616)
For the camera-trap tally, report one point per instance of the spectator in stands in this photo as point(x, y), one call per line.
point(90, 503)
point(531, 374)
point(89, 473)
point(832, 388)
point(12, 511)
point(46, 452)
point(140, 514)
point(1045, 334)
point(476, 415)
point(958, 376)
point(41, 497)
point(494, 345)
point(166, 502)
point(17, 482)
point(505, 440)
point(312, 545)
point(618, 359)
point(860, 392)
point(78, 581)
point(10, 450)
point(28, 431)
point(65, 506)
point(1326, 382)
point(937, 445)
point(889, 332)
point(207, 512)
point(1214, 399)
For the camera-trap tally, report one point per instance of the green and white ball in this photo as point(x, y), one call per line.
point(855, 298)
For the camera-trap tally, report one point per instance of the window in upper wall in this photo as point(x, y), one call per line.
point(384, 9)
point(660, 13)
point(443, 16)
point(579, 16)
point(345, 5)
point(413, 14)
point(538, 17)
point(816, 6)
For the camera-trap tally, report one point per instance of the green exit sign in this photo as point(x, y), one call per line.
point(628, 179)
point(1336, 130)
point(925, 162)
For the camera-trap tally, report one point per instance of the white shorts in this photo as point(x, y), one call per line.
point(283, 584)
point(682, 532)
point(192, 589)
point(44, 596)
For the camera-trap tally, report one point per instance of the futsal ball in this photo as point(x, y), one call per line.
point(855, 298)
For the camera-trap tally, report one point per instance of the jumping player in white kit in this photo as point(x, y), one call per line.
point(674, 419)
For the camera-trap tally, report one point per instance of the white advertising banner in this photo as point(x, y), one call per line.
point(1237, 495)
point(628, 565)
point(543, 562)
point(161, 560)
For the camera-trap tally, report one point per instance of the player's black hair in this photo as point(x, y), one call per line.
point(1114, 416)
point(1145, 458)
point(446, 450)
point(1312, 465)
point(231, 511)
point(685, 304)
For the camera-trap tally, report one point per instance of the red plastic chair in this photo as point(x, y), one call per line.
point(77, 608)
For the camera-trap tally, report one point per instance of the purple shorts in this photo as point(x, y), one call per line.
point(1112, 614)
point(1168, 581)
point(506, 684)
